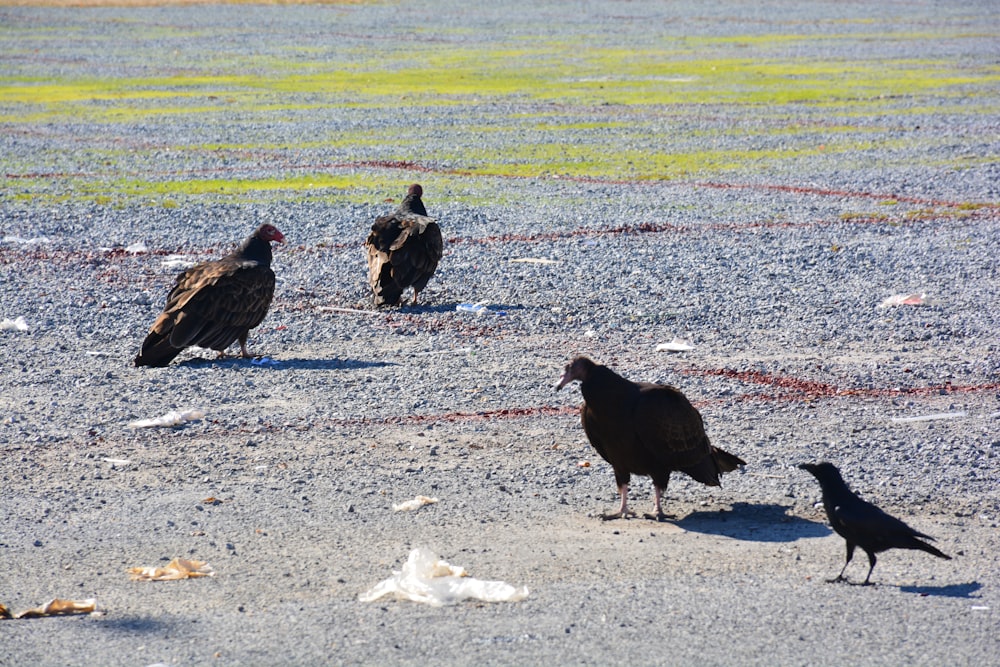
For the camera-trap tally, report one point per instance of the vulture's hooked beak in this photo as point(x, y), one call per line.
point(566, 379)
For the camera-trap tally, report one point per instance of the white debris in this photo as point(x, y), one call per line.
point(914, 299)
point(35, 240)
point(477, 308)
point(137, 248)
point(927, 418)
point(457, 350)
point(676, 345)
point(414, 504)
point(427, 579)
point(172, 418)
point(14, 325)
point(535, 260)
point(177, 262)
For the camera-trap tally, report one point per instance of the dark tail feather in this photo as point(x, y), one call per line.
point(387, 291)
point(923, 546)
point(156, 351)
point(725, 461)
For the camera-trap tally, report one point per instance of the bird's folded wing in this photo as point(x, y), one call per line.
point(664, 418)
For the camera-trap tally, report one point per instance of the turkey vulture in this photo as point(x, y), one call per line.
point(403, 249)
point(215, 303)
point(644, 429)
point(861, 523)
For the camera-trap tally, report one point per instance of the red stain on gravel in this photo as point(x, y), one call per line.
point(801, 389)
point(794, 389)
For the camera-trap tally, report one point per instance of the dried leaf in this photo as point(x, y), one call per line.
point(414, 504)
point(55, 607)
point(178, 568)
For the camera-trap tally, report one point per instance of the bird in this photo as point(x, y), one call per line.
point(403, 250)
point(861, 523)
point(647, 429)
point(215, 303)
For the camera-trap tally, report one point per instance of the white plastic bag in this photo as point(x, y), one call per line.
point(427, 579)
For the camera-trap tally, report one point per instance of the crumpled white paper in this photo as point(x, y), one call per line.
point(14, 325)
point(427, 579)
point(172, 418)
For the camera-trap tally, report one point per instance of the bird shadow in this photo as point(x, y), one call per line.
point(297, 364)
point(451, 307)
point(948, 591)
point(754, 522)
point(134, 625)
point(326, 364)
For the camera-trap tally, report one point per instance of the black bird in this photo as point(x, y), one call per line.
point(403, 250)
point(644, 429)
point(861, 523)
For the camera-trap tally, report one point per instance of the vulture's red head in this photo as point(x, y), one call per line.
point(270, 233)
point(578, 369)
point(415, 189)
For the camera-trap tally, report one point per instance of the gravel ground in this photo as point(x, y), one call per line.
point(773, 272)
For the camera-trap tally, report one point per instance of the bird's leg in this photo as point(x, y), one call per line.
point(657, 514)
point(623, 510)
point(850, 555)
point(243, 348)
point(415, 293)
point(871, 560)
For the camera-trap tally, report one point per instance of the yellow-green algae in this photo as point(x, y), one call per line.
point(627, 99)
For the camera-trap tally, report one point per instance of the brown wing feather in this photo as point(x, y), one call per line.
point(383, 233)
point(232, 301)
point(669, 425)
point(416, 252)
point(402, 251)
point(211, 305)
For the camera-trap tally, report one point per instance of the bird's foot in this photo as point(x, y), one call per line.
point(618, 515)
point(657, 516)
point(838, 579)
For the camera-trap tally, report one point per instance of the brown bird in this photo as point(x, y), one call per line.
point(215, 303)
point(403, 250)
point(644, 429)
point(861, 523)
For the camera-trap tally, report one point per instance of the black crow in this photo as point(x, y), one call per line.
point(861, 523)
